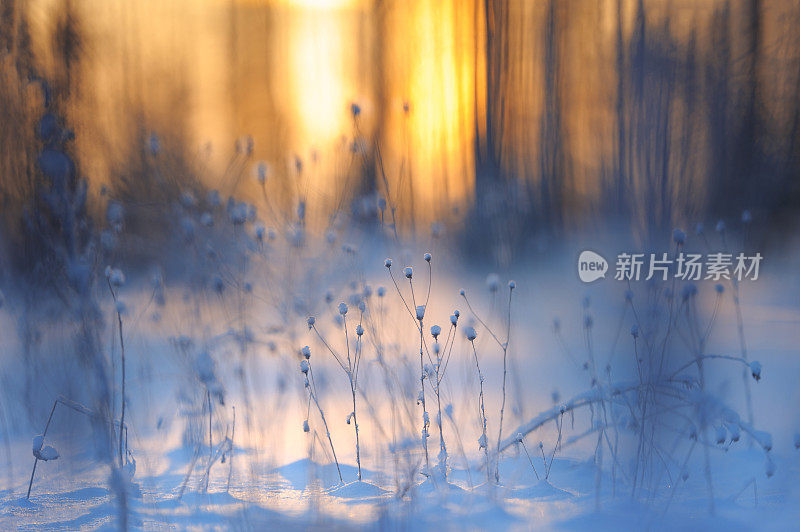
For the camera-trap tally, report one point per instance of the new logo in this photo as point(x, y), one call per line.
point(591, 266)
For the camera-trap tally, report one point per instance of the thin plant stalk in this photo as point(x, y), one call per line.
point(505, 373)
point(483, 415)
point(44, 435)
point(122, 363)
point(313, 394)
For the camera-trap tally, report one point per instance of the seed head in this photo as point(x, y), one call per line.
point(388, 263)
point(381, 291)
point(311, 320)
point(420, 312)
point(512, 285)
point(755, 370)
point(679, 237)
point(635, 331)
point(115, 276)
point(304, 366)
point(306, 352)
point(720, 226)
point(342, 308)
point(470, 333)
point(408, 272)
point(359, 330)
point(436, 331)
point(427, 257)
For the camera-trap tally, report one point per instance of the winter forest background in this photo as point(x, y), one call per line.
point(208, 210)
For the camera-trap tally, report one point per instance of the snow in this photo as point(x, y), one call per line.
point(280, 463)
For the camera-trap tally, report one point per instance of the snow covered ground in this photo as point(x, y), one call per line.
point(189, 358)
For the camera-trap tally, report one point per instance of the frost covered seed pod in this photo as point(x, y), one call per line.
point(427, 257)
point(306, 352)
point(470, 333)
point(388, 263)
point(408, 272)
point(342, 308)
point(755, 369)
point(311, 320)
